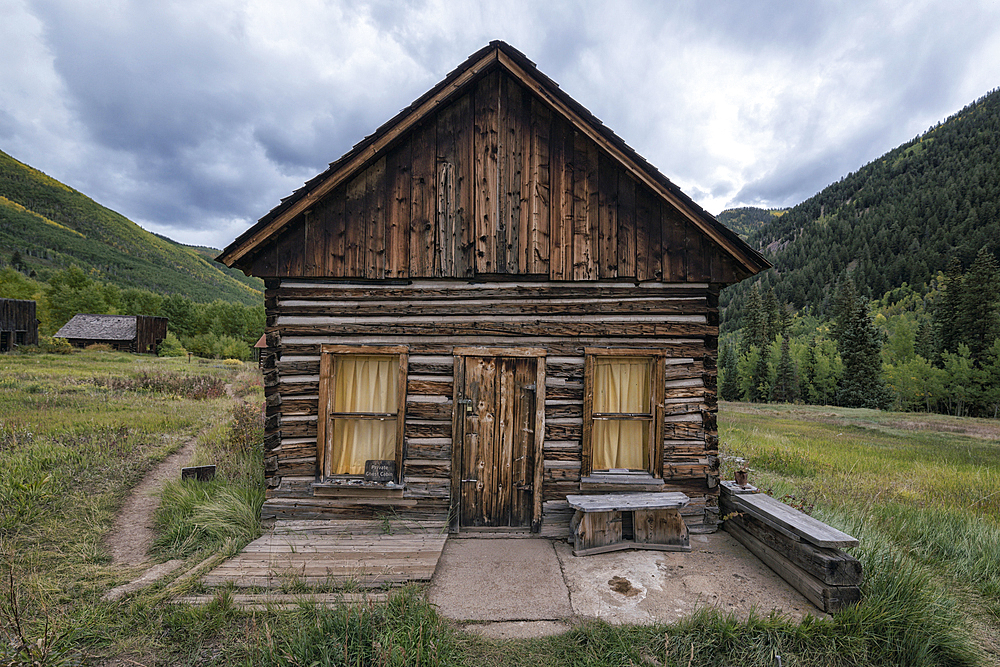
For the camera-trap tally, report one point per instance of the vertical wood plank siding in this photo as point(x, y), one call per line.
point(18, 316)
point(432, 318)
point(494, 184)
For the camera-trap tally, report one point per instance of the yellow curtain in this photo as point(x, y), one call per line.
point(364, 384)
point(621, 385)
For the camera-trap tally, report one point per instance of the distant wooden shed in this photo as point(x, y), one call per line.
point(128, 333)
point(18, 324)
point(487, 305)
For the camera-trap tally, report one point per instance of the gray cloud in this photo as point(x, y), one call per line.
point(195, 118)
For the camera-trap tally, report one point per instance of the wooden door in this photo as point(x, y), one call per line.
point(497, 421)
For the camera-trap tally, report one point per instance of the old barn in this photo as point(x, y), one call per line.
point(128, 333)
point(490, 304)
point(18, 324)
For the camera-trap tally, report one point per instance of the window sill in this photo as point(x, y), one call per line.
point(356, 488)
point(618, 481)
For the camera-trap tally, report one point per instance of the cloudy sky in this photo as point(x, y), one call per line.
point(194, 118)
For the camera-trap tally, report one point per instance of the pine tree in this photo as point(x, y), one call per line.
point(859, 342)
point(755, 322)
point(772, 312)
point(729, 389)
point(979, 301)
point(760, 387)
point(844, 301)
point(785, 389)
point(807, 371)
point(948, 314)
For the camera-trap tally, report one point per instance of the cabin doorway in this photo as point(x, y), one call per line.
point(497, 443)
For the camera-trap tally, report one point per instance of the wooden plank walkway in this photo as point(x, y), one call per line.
point(337, 554)
point(286, 601)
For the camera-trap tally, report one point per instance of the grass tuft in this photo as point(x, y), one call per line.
point(405, 630)
point(194, 515)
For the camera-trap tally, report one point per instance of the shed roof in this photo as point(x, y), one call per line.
point(496, 54)
point(99, 327)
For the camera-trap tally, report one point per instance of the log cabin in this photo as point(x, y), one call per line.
point(489, 304)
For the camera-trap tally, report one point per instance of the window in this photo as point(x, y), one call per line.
point(623, 412)
point(362, 395)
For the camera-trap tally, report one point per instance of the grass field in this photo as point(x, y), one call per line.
point(927, 486)
point(78, 431)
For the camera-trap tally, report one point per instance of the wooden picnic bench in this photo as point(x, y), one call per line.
point(617, 521)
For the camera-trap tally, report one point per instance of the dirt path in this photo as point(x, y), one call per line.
point(132, 535)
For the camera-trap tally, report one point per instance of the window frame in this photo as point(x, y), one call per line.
point(654, 465)
point(325, 413)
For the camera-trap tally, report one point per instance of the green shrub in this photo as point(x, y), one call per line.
point(171, 347)
point(233, 348)
point(246, 430)
point(48, 345)
point(212, 346)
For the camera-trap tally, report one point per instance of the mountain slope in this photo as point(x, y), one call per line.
point(898, 219)
point(52, 226)
point(748, 220)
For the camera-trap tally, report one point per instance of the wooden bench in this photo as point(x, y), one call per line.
point(617, 521)
point(802, 550)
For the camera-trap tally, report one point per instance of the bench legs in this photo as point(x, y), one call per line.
point(600, 532)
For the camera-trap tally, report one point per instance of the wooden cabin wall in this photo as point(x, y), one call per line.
point(495, 183)
point(149, 330)
point(433, 318)
point(17, 316)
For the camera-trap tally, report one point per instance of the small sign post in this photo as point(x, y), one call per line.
point(200, 473)
point(380, 471)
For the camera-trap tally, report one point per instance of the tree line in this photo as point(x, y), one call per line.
point(220, 329)
point(934, 348)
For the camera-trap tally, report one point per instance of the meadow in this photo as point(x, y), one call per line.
point(78, 431)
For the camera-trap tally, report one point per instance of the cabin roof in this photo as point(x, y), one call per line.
point(99, 327)
point(495, 54)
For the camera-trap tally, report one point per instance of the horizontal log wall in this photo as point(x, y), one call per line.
point(494, 183)
point(432, 318)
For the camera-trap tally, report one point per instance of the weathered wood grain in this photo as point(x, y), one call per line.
point(774, 512)
point(826, 597)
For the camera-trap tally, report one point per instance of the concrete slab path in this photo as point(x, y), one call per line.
point(534, 587)
point(500, 580)
point(646, 587)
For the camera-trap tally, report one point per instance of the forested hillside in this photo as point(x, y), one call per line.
point(748, 220)
point(899, 219)
point(46, 226)
point(885, 290)
point(72, 255)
